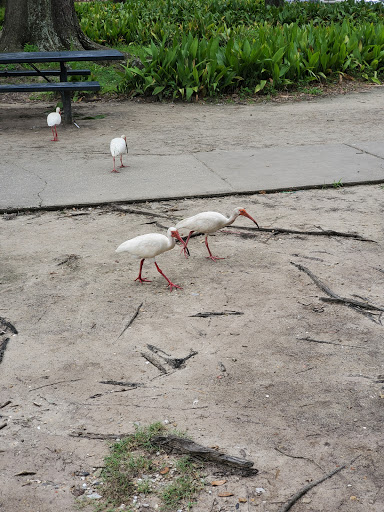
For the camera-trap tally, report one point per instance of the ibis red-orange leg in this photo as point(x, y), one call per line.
point(184, 249)
point(139, 278)
point(114, 166)
point(211, 257)
point(171, 285)
point(121, 161)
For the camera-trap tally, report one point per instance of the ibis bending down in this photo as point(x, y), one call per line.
point(148, 247)
point(53, 120)
point(209, 222)
point(118, 147)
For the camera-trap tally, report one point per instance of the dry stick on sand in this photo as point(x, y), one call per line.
point(207, 314)
point(310, 486)
point(307, 338)
point(154, 361)
point(174, 362)
point(131, 320)
point(181, 445)
point(322, 232)
point(354, 304)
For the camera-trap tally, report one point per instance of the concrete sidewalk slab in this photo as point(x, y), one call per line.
point(296, 166)
point(86, 179)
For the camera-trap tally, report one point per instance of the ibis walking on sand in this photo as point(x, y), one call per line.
point(148, 247)
point(118, 147)
point(53, 120)
point(207, 223)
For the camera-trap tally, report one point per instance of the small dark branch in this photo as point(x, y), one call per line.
point(3, 347)
point(5, 404)
point(298, 457)
point(76, 214)
point(124, 384)
point(200, 452)
point(178, 362)
point(316, 280)
point(123, 209)
point(310, 486)
point(355, 305)
point(131, 320)
point(54, 383)
point(91, 435)
point(3, 425)
point(216, 313)
point(174, 362)
point(307, 338)
point(8, 325)
point(158, 351)
point(70, 260)
point(352, 302)
point(318, 341)
point(156, 363)
point(329, 232)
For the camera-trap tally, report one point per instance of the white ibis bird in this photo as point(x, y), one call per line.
point(148, 247)
point(53, 120)
point(207, 223)
point(118, 147)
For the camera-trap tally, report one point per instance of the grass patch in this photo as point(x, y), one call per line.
point(137, 471)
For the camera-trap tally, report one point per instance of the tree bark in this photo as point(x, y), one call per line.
point(50, 25)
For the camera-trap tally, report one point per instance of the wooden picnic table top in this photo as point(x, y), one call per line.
point(64, 56)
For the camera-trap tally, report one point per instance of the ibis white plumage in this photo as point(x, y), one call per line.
point(148, 247)
point(53, 120)
point(118, 147)
point(207, 223)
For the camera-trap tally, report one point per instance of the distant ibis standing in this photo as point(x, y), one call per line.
point(53, 120)
point(207, 223)
point(118, 147)
point(148, 247)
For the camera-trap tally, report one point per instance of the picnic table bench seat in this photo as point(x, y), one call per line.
point(62, 86)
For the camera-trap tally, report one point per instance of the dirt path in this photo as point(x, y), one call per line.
point(292, 383)
point(257, 387)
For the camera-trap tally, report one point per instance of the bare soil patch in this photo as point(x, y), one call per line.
point(292, 383)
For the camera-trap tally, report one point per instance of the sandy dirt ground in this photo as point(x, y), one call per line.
point(290, 382)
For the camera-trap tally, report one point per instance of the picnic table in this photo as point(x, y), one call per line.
point(63, 86)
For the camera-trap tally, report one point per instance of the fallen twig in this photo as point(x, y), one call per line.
point(69, 259)
point(310, 486)
point(198, 451)
point(155, 363)
point(323, 232)
point(5, 404)
point(307, 338)
point(3, 347)
point(174, 362)
point(131, 320)
point(354, 304)
point(54, 383)
point(5, 323)
point(216, 313)
point(3, 425)
point(298, 457)
point(118, 383)
point(91, 435)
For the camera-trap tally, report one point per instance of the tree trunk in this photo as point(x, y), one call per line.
point(50, 25)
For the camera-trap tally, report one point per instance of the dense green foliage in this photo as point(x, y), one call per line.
point(199, 48)
point(141, 21)
point(196, 48)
